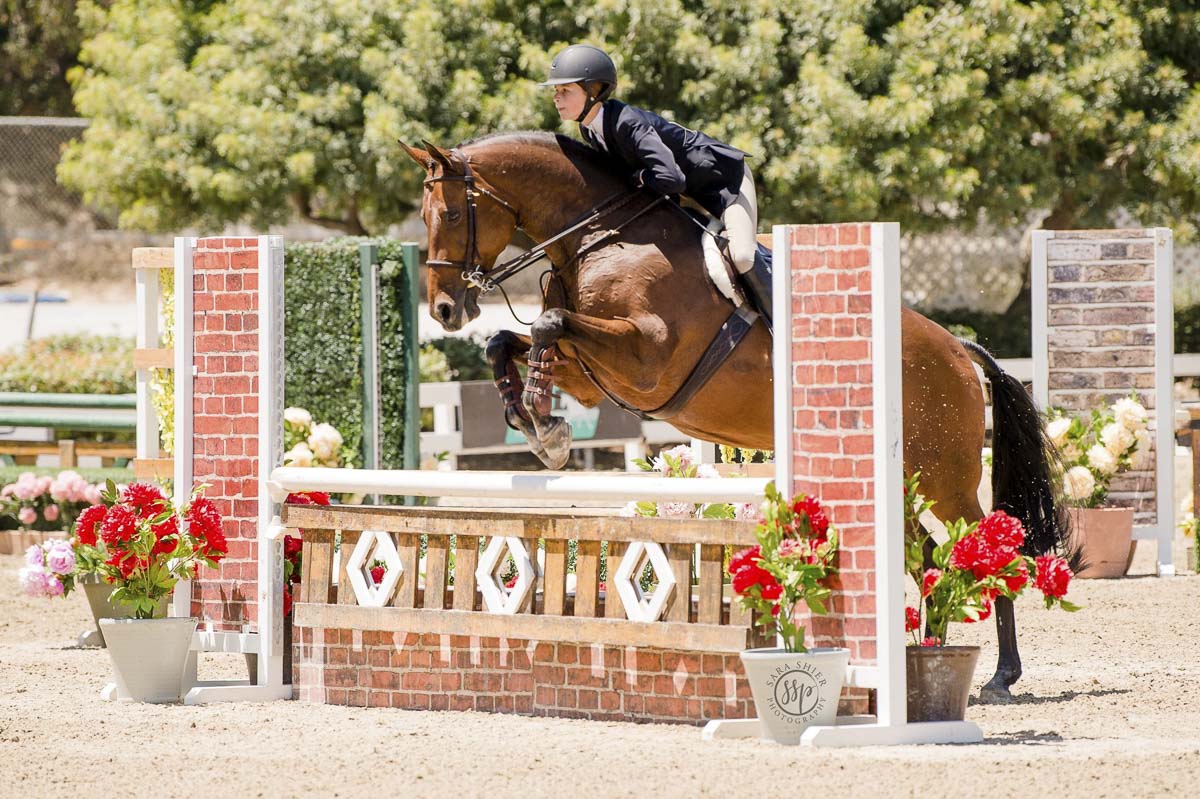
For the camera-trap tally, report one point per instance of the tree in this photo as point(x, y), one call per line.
point(932, 114)
point(39, 40)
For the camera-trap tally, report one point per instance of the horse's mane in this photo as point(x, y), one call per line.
point(574, 150)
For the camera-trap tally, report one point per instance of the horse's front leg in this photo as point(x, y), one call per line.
point(545, 355)
point(1008, 665)
point(502, 350)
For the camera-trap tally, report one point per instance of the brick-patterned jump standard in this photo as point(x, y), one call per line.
point(1102, 328)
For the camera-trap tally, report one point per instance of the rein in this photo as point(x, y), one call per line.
point(488, 280)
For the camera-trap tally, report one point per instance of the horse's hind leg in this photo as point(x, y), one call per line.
point(501, 350)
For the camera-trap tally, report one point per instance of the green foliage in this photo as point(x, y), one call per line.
point(39, 41)
point(1005, 335)
point(925, 113)
point(162, 381)
point(70, 364)
point(323, 344)
point(464, 357)
point(1187, 329)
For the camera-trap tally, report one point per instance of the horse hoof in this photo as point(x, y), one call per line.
point(995, 691)
point(555, 439)
point(519, 423)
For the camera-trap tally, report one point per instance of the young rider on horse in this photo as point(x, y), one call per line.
point(664, 157)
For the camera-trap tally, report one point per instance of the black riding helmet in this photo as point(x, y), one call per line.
point(584, 64)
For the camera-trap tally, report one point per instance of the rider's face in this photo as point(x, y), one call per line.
point(569, 99)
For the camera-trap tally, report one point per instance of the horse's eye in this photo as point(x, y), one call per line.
point(453, 215)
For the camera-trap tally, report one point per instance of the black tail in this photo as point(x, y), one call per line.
point(1026, 467)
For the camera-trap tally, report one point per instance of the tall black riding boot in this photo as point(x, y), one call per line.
point(758, 284)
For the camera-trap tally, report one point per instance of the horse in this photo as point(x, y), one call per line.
point(629, 312)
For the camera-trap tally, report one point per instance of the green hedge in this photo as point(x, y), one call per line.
point(323, 341)
point(70, 364)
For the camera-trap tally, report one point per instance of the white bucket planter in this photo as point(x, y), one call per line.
point(148, 656)
point(794, 690)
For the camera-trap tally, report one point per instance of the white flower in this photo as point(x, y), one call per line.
point(683, 452)
point(297, 417)
point(1142, 457)
point(1117, 439)
point(1130, 414)
point(1056, 431)
point(747, 512)
point(299, 455)
point(630, 509)
point(1100, 459)
point(325, 441)
point(1079, 483)
point(676, 510)
point(707, 470)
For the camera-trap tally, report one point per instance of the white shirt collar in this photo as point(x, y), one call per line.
point(596, 128)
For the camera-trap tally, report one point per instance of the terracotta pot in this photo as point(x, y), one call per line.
point(939, 681)
point(1105, 536)
point(794, 690)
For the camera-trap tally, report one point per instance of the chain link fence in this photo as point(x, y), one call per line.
point(47, 230)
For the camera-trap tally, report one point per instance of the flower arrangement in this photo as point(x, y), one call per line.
point(309, 444)
point(139, 542)
point(49, 569)
point(1097, 446)
point(681, 462)
point(795, 554)
point(292, 547)
point(977, 563)
point(47, 503)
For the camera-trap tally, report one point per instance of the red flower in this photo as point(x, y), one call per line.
point(912, 619)
point(119, 525)
point(931, 641)
point(743, 558)
point(377, 575)
point(292, 546)
point(771, 591)
point(146, 499)
point(1000, 530)
point(126, 562)
point(1017, 582)
point(204, 522)
point(750, 576)
point(1053, 575)
point(775, 609)
point(930, 580)
point(287, 601)
point(980, 556)
point(511, 582)
point(308, 498)
point(809, 508)
point(85, 526)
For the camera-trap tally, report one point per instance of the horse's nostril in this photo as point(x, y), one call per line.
point(443, 311)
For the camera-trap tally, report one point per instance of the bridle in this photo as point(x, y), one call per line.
point(488, 280)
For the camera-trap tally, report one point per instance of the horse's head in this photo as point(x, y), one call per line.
point(466, 235)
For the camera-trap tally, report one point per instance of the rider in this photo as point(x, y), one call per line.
point(664, 157)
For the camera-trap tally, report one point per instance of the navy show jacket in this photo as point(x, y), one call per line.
point(672, 159)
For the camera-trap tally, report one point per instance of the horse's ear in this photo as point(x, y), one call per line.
point(418, 155)
point(443, 157)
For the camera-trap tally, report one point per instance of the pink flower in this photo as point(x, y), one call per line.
point(33, 556)
point(32, 579)
point(27, 515)
point(52, 585)
point(60, 559)
point(92, 495)
point(676, 510)
point(931, 641)
point(747, 512)
point(50, 513)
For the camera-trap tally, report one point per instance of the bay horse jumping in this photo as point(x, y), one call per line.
point(630, 311)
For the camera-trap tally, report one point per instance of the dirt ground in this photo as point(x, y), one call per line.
point(1107, 708)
